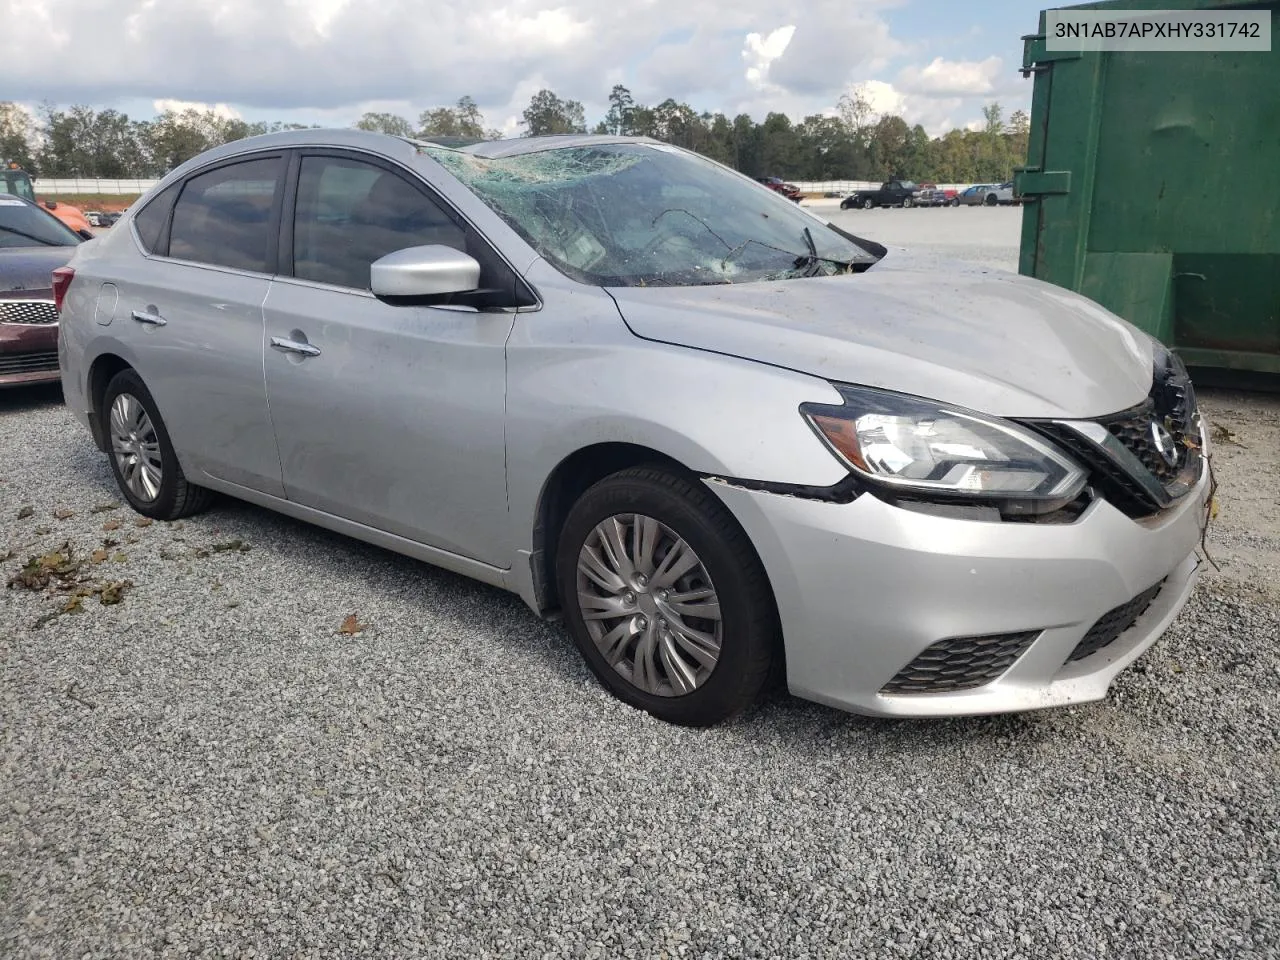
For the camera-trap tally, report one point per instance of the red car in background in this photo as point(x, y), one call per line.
point(33, 244)
point(788, 190)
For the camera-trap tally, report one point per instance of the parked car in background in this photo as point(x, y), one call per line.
point(1001, 194)
point(788, 190)
point(109, 219)
point(891, 193)
point(974, 196)
point(32, 245)
point(931, 197)
point(94, 217)
point(805, 459)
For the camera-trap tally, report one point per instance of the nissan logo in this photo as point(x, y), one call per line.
point(1164, 443)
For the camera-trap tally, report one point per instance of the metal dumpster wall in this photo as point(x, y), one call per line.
point(1153, 182)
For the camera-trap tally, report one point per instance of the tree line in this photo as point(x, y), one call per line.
point(853, 143)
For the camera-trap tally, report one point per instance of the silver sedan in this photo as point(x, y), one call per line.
point(723, 439)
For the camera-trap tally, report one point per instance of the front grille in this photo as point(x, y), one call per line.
point(35, 312)
point(1170, 404)
point(1113, 623)
point(960, 663)
point(45, 361)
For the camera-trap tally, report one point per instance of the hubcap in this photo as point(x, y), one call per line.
point(136, 447)
point(649, 605)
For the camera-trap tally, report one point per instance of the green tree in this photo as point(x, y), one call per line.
point(388, 123)
point(17, 136)
point(618, 119)
point(547, 114)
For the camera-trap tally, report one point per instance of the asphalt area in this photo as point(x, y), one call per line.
point(259, 739)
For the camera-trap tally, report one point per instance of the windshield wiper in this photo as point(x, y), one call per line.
point(31, 236)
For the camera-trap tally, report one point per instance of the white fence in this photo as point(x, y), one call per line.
point(88, 185)
point(845, 187)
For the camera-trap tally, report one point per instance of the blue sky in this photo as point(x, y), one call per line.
point(327, 61)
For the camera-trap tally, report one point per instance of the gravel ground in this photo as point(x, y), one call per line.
point(212, 767)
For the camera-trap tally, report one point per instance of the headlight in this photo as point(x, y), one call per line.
point(936, 451)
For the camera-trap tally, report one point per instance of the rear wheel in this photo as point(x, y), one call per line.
point(142, 456)
point(665, 597)
point(908, 202)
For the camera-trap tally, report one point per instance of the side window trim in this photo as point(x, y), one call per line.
point(273, 223)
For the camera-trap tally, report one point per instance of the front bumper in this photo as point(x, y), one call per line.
point(863, 588)
point(28, 354)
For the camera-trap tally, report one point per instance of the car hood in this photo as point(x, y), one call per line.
point(986, 339)
point(29, 269)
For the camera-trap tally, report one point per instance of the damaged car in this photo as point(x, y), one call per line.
point(722, 439)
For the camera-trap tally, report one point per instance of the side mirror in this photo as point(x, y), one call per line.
point(51, 204)
point(429, 271)
point(87, 234)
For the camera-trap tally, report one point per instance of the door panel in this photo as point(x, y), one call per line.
point(204, 366)
point(398, 421)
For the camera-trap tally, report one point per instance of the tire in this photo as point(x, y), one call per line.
point(907, 203)
point(955, 201)
point(844, 204)
point(868, 203)
point(991, 200)
point(671, 508)
point(127, 405)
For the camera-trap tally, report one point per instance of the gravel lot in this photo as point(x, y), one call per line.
point(212, 767)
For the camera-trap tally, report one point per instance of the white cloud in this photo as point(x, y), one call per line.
point(760, 51)
point(178, 106)
point(952, 78)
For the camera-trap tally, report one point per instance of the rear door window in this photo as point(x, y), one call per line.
point(224, 217)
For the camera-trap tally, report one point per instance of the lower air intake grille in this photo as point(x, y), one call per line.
point(960, 663)
point(1113, 623)
point(45, 361)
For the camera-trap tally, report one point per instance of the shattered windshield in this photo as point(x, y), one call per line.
point(640, 214)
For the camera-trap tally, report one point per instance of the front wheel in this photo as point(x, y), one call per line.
point(991, 200)
point(908, 203)
point(665, 597)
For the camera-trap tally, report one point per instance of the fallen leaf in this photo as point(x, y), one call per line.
point(121, 558)
point(41, 531)
point(105, 507)
point(144, 521)
point(351, 626)
point(25, 512)
point(238, 545)
point(1213, 509)
point(108, 543)
point(113, 593)
point(99, 556)
point(62, 513)
point(111, 525)
point(1221, 434)
point(73, 605)
point(38, 572)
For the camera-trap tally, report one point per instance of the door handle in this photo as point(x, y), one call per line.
point(286, 345)
point(142, 316)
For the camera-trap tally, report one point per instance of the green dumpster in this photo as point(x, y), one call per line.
point(1152, 186)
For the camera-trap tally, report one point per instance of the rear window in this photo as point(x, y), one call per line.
point(223, 217)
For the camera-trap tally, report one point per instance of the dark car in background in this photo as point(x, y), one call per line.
point(33, 244)
point(777, 184)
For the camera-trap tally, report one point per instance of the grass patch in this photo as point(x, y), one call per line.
point(104, 202)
